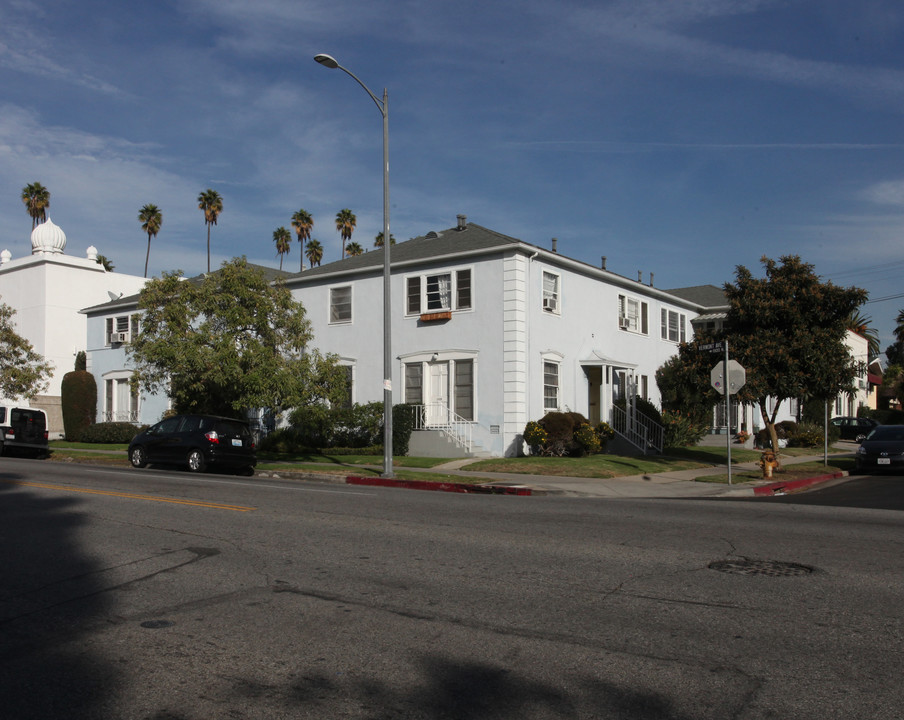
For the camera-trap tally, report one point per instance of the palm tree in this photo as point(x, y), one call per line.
point(151, 219)
point(303, 224)
point(37, 199)
point(105, 261)
point(860, 324)
point(353, 249)
point(314, 252)
point(211, 204)
point(345, 224)
point(378, 240)
point(283, 239)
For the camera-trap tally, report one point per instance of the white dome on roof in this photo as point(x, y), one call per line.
point(47, 238)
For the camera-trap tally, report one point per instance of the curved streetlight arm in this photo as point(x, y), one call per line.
point(329, 62)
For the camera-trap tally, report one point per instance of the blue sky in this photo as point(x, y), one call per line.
point(679, 137)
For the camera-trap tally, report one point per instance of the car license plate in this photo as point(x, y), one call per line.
point(238, 443)
point(883, 461)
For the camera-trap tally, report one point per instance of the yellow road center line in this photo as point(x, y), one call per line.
point(132, 496)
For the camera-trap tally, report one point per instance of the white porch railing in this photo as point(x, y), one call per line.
point(436, 416)
point(641, 430)
point(121, 416)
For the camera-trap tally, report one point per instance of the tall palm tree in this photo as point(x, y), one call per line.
point(378, 240)
point(37, 199)
point(283, 239)
point(211, 204)
point(105, 261)
point(151, 219)
point(353, 249)
point(303, 224)
point(314, 252)
point(345, 224)
point(860, 324)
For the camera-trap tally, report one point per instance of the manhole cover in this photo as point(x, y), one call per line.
point(771, 568)
point(156, 624)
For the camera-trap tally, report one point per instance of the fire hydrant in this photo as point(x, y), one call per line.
point(768, 462)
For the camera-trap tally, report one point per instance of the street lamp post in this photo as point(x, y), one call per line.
point(383, 107)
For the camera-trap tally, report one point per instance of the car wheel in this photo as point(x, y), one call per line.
point(138, 457)
point(196, 462)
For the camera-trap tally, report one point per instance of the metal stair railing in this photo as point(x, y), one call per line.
point(436, 416)
point(641, 431)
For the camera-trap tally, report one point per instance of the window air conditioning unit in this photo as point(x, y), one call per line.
point(623, 323)
point(549, 304)
point(119, 337)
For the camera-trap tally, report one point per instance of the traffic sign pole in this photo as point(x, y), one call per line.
point(727, 409)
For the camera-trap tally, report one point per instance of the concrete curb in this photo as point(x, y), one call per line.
point(783, 488)
point(442, 486)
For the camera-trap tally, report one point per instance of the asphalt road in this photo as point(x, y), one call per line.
point(878, 491)
point(150, 594)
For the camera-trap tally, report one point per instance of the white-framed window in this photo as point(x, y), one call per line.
point(438, 292)
point(673, 325)
point(349, 386)
point(121, 397)
point(341, 304)
point(121, 329)
point(550, 385)
point(414, 383)
point(551, 293)
point(463, 389)
point(633, 315)
point(644, 387)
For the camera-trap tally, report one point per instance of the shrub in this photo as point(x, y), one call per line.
point(605, 433)
point(111, 432)
point(681, 429)
point(807, 435)
point(586, 439)
point(78, 397)
point(535, 437)
point(402, 425)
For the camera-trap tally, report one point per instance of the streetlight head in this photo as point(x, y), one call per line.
point(327, 61)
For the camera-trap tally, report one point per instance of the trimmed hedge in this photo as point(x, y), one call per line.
point(78, 397)
point(111, 432)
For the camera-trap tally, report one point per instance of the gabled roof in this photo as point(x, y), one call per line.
point(130, 301)
point(454, 241)
point(706, 296)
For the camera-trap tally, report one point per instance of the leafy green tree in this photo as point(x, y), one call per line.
point(23, 372)
point(211, 204)
point(283, 239)
point(353, 249)
point(151, 219)
point(228, 342)
point(345, 224)
point(303, 223)
point(314, 252)
point(378, 240)
point(683, 382)
point(37, 199)
point(788, 331)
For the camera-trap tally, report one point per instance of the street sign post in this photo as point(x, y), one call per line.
point(727, 377)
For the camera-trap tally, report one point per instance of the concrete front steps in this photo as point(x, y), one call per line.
point(435, 443)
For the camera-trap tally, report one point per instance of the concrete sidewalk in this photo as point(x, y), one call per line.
point(676, 484)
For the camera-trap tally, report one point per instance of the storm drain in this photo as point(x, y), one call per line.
point(770, 568)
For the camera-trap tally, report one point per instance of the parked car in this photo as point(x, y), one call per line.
point(196, 441)
point(854, 428)
point(883, 449)
point(24, 430)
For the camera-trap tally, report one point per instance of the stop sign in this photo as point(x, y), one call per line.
point(737, 376)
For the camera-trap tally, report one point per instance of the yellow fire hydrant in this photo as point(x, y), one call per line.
point(768, 462)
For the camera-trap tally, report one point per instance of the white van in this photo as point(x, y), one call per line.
point(23, 430)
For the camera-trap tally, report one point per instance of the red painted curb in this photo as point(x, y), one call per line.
point(438, 486)
point(792, 485)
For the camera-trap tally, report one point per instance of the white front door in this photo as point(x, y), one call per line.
point(438, 393)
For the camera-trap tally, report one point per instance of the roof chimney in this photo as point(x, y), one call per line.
point(555, 244)
point(639, 276)
point(462, 222)
point(651, 279)
point(603, 262)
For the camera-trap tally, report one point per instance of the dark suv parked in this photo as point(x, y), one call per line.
point(23, 430)
point(196, 441)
